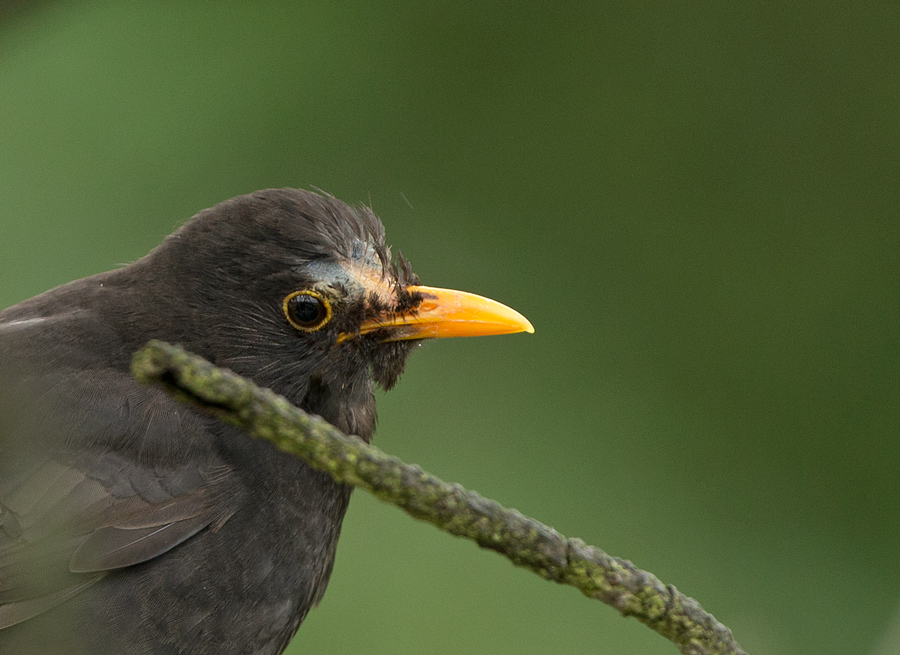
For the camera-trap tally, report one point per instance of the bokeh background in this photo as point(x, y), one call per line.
point(696, 205)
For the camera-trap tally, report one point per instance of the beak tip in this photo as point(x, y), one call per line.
point(524, 324)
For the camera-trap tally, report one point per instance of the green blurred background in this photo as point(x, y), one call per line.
point(695, 205)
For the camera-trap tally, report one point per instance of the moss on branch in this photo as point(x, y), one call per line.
point(523, 540)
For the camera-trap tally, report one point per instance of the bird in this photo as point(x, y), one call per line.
point(132, 524)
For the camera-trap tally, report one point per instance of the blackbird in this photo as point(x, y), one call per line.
point(130, 524)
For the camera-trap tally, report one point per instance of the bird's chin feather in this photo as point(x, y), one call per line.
point(387, 361)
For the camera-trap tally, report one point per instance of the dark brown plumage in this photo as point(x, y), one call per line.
point(131, 525)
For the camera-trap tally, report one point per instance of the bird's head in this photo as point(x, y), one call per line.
point(299, 291)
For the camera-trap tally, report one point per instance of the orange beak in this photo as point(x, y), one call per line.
point(448, 313)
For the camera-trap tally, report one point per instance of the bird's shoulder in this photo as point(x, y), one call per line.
point(97, 472)
point(75, 325)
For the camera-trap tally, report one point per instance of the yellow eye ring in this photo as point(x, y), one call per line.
point(307, 310)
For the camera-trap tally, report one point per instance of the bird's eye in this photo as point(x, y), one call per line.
point(307, 310)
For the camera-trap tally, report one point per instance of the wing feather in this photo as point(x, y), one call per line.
point(97, 473)
point(118, 546)
point(16, 612)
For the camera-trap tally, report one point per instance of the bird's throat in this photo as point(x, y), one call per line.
point(350, 408)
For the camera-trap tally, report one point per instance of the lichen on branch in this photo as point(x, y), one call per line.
point(452, 508)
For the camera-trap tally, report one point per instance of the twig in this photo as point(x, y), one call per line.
point(525, 541)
